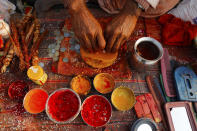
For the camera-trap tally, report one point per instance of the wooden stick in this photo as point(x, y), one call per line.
point(37, 31)
point(35, 59)
point(17, 44)
point(6, 48)
point(7, 59)
point(25, 48)
point(37, 44)
point(30, 32)
point(159, 105)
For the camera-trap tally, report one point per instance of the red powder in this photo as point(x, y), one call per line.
point(63, 105)
point(107, 82)
point(18, 90)
point(96, 111)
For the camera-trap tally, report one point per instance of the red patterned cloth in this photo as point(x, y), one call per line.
point(176, 31)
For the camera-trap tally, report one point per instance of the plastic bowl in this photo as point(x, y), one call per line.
point(56, 105)
point(104, 117)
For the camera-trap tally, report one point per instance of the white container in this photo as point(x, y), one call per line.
point(4, 29)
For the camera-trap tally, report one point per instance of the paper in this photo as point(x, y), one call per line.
point(180, 119)
point(144, 127)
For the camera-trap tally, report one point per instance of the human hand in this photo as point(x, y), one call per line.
point(87, 30)
point(119, 30)
point(121, 27)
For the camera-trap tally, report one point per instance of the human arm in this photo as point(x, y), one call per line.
point(85, 26)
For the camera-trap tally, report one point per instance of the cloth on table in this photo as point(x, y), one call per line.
point(177, 32)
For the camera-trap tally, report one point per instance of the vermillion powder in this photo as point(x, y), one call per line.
point(63, 105)
point(96, 111)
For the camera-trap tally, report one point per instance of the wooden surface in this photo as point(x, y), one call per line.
point(14, 117)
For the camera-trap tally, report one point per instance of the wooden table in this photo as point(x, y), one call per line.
point(12, 114)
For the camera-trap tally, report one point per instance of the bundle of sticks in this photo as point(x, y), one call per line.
point(24, 41)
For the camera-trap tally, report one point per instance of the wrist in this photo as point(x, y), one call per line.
point(74, 5)
point(132, 8)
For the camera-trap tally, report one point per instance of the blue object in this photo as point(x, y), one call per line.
point(77, 47)
point(186, 84)
point(72, 40)
point(72, 47)
point(65, 59)
point(53, 51)
point(67, 34)
point(62, 49)
point(41, 64)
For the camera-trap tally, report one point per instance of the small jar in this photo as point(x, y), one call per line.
point(37, 75)
point(150, 53)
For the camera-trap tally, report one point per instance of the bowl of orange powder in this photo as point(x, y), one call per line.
point(63, 105)
point(35, 100)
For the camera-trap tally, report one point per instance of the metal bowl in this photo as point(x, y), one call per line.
point(107, 102)
point(70, 119)
point(153, 41)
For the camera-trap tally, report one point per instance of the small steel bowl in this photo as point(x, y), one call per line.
point(142, 121)
point(153, 41)
point(70, 119)
point(107, 102)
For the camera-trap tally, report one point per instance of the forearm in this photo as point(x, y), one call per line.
point(131, 8)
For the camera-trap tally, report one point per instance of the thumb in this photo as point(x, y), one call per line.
point(101, 41)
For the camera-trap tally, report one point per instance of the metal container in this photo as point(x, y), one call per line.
point(139, 63)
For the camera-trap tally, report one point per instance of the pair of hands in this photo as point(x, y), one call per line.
point(91, 36)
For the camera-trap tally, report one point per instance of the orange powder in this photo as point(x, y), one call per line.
point(104, 83)
point(35, 100)
point(81, 85)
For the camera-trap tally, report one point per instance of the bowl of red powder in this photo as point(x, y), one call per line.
point(96, 111)
point(17, 90)
point(63, 105)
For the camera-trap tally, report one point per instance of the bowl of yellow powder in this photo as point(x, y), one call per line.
point(123, 98)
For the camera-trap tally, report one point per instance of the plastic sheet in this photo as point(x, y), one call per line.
point(6, 8)
point(186, 10)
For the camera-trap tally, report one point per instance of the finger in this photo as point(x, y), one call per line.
point(123, 42)
point(117, 43)
point(101, 41)
point(82, 43)
point(93, 43)
point(110, 42)
point(87, 43)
